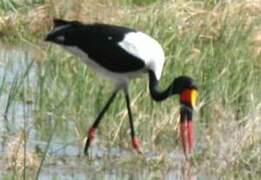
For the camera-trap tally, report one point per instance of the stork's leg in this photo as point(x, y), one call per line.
point(92, 131)
point(135, 141)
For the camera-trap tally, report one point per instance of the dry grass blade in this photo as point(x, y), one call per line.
point(15, 155)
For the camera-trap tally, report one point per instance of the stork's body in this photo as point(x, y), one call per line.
point(121, 53)
point(117, 53)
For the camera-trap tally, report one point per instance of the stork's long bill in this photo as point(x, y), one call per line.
point(188, 99)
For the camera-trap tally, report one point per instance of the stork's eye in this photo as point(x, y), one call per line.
point(61, 38)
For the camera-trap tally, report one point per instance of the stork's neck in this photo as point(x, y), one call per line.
point(155, 91)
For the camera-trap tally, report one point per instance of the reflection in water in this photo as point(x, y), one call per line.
point(187, 171)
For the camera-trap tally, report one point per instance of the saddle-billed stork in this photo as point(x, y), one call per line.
point(121, 54)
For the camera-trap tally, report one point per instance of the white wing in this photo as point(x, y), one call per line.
point(145, 48)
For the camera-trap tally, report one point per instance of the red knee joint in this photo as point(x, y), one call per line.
point(91, 134)
point(136, 143)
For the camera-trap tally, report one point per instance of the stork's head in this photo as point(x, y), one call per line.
point(63, 32)
point(186, 87)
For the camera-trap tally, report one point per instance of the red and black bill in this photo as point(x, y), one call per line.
point(188, 100)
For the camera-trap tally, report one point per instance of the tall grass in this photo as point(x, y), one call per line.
point(215, 42)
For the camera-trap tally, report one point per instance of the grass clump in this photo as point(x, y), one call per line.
point(216, 42)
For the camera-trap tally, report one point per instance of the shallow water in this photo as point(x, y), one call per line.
point(64, 159)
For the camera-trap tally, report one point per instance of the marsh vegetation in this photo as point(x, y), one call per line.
point(48, 98)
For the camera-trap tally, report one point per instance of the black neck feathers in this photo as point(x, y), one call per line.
point(178, 85)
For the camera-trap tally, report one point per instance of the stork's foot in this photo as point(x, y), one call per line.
point(137, 145)
point(90, 137)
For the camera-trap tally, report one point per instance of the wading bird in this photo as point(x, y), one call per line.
point(121, 54)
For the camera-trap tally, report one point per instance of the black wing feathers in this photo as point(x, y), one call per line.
point(100, 42)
